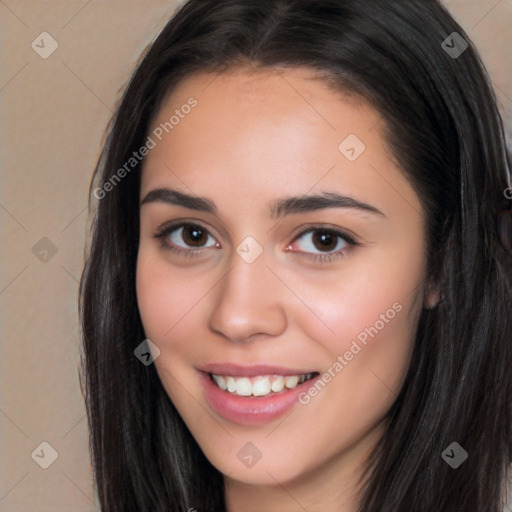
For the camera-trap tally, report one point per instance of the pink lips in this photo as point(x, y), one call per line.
point(250, 410)
point(251, 371)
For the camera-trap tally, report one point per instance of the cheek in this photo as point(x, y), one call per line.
point(156, 300)
point(167, 300)
point(378, 299)
point(368, 321)
point(366, 359)
point(166, 295)
point(367, 356)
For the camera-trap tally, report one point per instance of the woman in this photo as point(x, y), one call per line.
point(296, 297)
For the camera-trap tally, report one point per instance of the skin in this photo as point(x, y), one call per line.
point(255, 136)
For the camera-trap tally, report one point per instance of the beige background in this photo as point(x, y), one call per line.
point(53, 114)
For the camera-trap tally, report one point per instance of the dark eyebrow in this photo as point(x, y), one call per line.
point(278, 208)
point(171, 196)
point(309, 203)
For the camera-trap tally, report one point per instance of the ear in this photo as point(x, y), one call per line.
point(432, 296)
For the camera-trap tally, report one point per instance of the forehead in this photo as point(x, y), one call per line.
point(258, 132)
point(279, 108)
point(256, 87)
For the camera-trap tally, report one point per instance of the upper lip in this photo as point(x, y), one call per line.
point(251, 371)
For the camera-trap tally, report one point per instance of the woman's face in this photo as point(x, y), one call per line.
point(259, 288)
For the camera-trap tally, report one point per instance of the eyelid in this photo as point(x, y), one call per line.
point(326, 258)
point(348, 236)
point(166, 228)
point(171, 225)
point(332, 229)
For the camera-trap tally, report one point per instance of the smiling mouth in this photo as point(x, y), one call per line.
point(261, 385)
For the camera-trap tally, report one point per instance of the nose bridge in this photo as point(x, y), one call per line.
point(249, 280)
point(249, 299)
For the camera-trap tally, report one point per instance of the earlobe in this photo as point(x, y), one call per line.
point(433, 296)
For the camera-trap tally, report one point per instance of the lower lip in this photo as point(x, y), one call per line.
point(250, 410)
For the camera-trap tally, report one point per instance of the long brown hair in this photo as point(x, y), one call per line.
point(443, 127)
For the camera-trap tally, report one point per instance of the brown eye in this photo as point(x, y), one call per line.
point(186, 238)
point(323, 245)
point(324, 240)
point(194, 235)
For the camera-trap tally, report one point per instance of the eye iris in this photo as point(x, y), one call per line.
point(192, 235)
point(325, 240)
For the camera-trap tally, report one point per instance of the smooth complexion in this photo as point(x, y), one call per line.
point(256, 137)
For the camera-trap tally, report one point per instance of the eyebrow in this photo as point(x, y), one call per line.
point(171, 196)
point(278, 207)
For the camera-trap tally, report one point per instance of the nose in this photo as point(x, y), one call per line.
point(249, 301)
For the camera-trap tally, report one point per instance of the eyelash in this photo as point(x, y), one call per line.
point(162, 233)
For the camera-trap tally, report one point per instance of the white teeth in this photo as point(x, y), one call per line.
point(243, 387)
point(231, 384)
point(261, 385)
point(278, 384)
point(291, 382)
point(221, 381)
